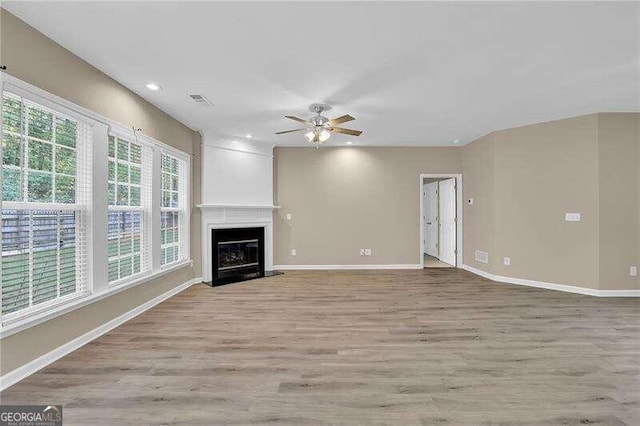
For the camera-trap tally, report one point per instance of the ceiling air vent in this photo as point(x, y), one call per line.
point(201, 100)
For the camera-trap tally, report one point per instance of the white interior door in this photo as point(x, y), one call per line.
point(447, 216)
point(430, 209)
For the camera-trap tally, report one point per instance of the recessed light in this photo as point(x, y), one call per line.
point(456, 141)
point(349, 142)
point(248, 136)
point(153, 86)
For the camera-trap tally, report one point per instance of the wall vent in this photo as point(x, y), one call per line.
point(482, 256)
point(201, 99)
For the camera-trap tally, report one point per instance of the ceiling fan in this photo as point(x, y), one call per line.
point(319, 127)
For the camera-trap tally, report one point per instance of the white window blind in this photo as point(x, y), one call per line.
point(46, 197)
point(173, 212)
point(82, 200)
point(129, 197)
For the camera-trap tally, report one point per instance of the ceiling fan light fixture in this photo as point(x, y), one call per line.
point(324, 135)
point(320, 135)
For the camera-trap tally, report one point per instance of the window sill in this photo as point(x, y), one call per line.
point(38, 317)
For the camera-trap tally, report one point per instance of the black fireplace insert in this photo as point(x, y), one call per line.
point(237, 254)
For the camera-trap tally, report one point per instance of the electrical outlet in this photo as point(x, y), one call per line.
point(572, 217)
point(633, 271)
point(361, 252)
point(294, 252)
point(507, 261)
point(288, 216)
point(367, 252)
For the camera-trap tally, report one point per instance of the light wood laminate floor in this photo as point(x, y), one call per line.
point(434, 262)
point(433, 346)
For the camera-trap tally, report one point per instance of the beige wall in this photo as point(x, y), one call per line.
point(523, 181)
point(348, 198)
point(478, 180)
point(32, 57)
point(619, 180)
point(541, 172)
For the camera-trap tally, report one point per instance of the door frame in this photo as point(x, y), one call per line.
point(459, 216)
point(425, 205)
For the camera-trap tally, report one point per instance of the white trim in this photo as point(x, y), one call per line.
point(156, 200)
point(31, 367)
point(245, 147)
point(619, 293)
point(234, 206)
point(552, 286)
point(78, 302)
point(339, 267)
point(244, 151)
point(99, 214)
point(459, 215)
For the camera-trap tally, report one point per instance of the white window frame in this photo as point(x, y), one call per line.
point(97, 285)
point(84, 205)
point(145, 208)
point(182, 209)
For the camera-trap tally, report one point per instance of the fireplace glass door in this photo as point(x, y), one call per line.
point(238, 254)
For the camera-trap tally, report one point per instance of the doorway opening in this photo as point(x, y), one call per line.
point(440, 220)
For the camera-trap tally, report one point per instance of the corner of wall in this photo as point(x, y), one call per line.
point(478, 169)
point(618, 200)
point(196, 198)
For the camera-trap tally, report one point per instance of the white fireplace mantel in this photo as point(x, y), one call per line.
point(219, 216)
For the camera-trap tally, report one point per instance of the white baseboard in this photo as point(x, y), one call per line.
point(619, 293)
point(553, 286)
point(338, 267)
point(31, 367)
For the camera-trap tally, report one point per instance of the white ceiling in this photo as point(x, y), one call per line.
point(411, 73)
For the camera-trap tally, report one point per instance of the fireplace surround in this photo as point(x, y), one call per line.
point(218, 216)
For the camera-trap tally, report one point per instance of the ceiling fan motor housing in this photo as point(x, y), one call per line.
point(318, 120)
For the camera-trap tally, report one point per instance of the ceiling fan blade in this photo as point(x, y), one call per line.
point(289, 131)
point(299, 120)
point(345, 131)
point(340, 120)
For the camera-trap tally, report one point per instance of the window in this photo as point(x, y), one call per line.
point(129, 197)
point(172, 209)
point(46, 190)
point(89, 206)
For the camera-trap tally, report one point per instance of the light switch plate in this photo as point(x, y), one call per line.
point(507, 261)
point(572, 217)
point(288, 216)
point(633, 271)
point(294, 252)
